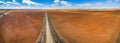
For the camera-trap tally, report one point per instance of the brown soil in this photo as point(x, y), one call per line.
point(21, 26)
point(24, 26)
point(87, 27)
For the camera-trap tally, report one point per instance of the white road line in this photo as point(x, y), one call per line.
point(49, 37)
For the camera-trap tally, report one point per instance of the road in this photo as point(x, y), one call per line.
point(49, 37)
point(49, 34)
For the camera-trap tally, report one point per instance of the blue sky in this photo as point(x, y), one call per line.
point(59, 4)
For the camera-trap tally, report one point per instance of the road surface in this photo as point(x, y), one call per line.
point(49, 34)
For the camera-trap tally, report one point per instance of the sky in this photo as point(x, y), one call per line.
point(59, 4)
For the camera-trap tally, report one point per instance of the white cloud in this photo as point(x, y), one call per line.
point(65, 3)
point(55, 1)
point(79, 5)
point(29, 2)
point(2, 2)
point(12, 3)
point(55, 5)
point(14, 0)
point(99, 3)
point(8, 2)
point(86, 4)
point(16, 3)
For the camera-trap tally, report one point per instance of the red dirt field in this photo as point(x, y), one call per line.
point(87, 27)
point(21, 26)
point(24, 26)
